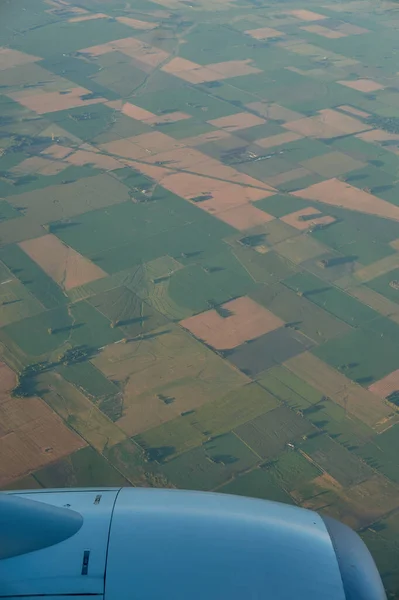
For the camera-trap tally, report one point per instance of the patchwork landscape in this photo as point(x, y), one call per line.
point(199, 251)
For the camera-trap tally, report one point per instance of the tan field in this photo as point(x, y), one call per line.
point(135, 112)
point(136, 23)
point(171, 364)
point(101, 161)
point(237, 122)
point(57, 152)
point(338, 193)
point(327, 124)
point(35, 164)
point(359, 402)
point(247, 320)
point(375, 300)
point(31, 434)
point(387, 385)
point(306, 15)
point(354, 111)
point(363, 85)
point(47, 102)
point(63, 264)
point(233, 68)
point(88, 18)
point(195, 73)
point(294, 219)
point(264, 33)
point(140, 51)
point(278, 140)
point(125, 148)
point(324, 31)
point(378, 135)
point(244, 217)
point(379, 267)
point(156, 141)
point(13, 58)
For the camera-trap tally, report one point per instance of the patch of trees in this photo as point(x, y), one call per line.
point(390, 124)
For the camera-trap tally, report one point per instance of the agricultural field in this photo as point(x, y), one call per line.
point(199, 252)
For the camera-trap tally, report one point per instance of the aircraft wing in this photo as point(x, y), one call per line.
point(146, 544)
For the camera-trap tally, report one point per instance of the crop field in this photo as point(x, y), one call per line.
point(269, 434)
point(82, 469)
point(258, 483)
point(268, 350)
point(199, 251)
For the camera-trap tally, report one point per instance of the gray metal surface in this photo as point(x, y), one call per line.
point(197, 546)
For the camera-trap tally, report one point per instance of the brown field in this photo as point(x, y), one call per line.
point(274, 111)
point(237, 122)
point(125, 148)
point(363, 85)
point(306, 15)
point(31, 434)
point(57, 152)
point(135, 112)
point(387, 385)
point(332, 164)
point(359, 402)
point(278, 140)
point(338, 193)
point(378, 135)
point(177, 64)
point(13, 58)
point(357, 506)
point(63, 264)
point(101, 161)
point(324, 31)
point(137, 24)
point(195, 73)
point(233, 68)
point(52, 169)
point(87, 18)
point(156, 141)
point(35, 164)
point(247, 320)
point(354, 111)
point(47, 102)
point(264, 33)
point(232, 196)
point(394, 244)
point(181, 159)
point(171, 364)
point(327, 124)
point(140, 51)
point(244, 217)
point(277, 180)
point(294, 220)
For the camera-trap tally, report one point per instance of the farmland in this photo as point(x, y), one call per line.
point(199, 251)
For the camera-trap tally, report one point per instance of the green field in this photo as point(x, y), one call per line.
point(341, 464)
point(381, 452)
point(362, 355)
point(89, 379)
point(35, 280)
point(85, 468)
point(212, 419)
point(258, 483)
point(210, 465)
point(331, 299)
point(77, 325)
point(269, 434)
point(292, 469)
